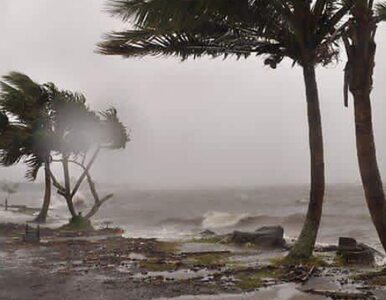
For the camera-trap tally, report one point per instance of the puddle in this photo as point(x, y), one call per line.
point(137, 256)
point(280, 292)
point(180, 274)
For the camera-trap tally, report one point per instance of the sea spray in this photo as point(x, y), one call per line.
point(215, 219)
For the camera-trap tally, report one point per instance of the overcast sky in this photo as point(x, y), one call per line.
point(197, 123)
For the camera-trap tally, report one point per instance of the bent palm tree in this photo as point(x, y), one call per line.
point(23, 133)
point(359, 39)
point(303, 31)
point(77, 131)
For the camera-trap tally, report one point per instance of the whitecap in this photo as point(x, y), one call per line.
point(215, 219)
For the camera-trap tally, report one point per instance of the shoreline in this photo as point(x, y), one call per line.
point(105, 265)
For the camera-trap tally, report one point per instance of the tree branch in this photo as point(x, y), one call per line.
point(89, 180)
point(84, 174)
point(55, 182)
point(97, 205)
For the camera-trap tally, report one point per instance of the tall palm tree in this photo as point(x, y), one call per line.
point(359, 40)
point(303, 31)
point(23, 125)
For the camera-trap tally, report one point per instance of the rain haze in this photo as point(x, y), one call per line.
point(212, 197)
point(197, 123)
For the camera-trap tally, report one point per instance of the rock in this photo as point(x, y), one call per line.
point(207, 233)
point(353, 253)
point(271, 236)
point(276, 231)
point(346, 243)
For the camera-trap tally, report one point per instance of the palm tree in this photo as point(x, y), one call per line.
point(359, 40)
point(39, 123)
point(77, 132)
point(23, 126)
point(303, 31)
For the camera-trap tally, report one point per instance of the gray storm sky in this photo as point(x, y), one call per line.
point(203, 122)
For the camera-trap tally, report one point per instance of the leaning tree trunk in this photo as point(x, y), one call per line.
point(42, 217)
point(304, 246)
point(67, 192)
point(361, 50)
point(368, 166)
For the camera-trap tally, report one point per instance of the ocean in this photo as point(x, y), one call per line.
point(183, 213)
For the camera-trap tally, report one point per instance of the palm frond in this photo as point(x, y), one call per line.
point(25, 103)
point(183, 14)
point(34, 163)
point(4, 121)
point(194, 28)
point(381, 11)
point(115, 133)
point(22, 97)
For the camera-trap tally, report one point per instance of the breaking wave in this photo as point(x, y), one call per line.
point(222, 219)
point(217, 219)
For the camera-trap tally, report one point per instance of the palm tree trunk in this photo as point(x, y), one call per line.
point(67, 186)
point(304, 246)
point(368, 166)
point(361, 49)
point(42, 217)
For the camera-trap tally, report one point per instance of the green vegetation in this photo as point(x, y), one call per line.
point(23, 134)
point(168, 247)
point(41, 124)
point(374, 278)
point(156, 265)
point(78, 223)
point(208, 260)
point(317, 261)
point(248, 280)
point(339, 261)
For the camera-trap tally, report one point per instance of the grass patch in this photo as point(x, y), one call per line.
point(339, 262)
point(208, 260)
point(158, 266)
point(168, 247)
point(316, 261)
point(373, 278)
point(78, 223)
point(235, 265)
point(253, 280)
point(380, 280)
point(249, 282)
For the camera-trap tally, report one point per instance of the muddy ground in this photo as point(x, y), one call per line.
point(104, 265)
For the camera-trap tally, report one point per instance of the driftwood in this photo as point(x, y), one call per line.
point(308, 275)
point(341, 295)
point(299, 274)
